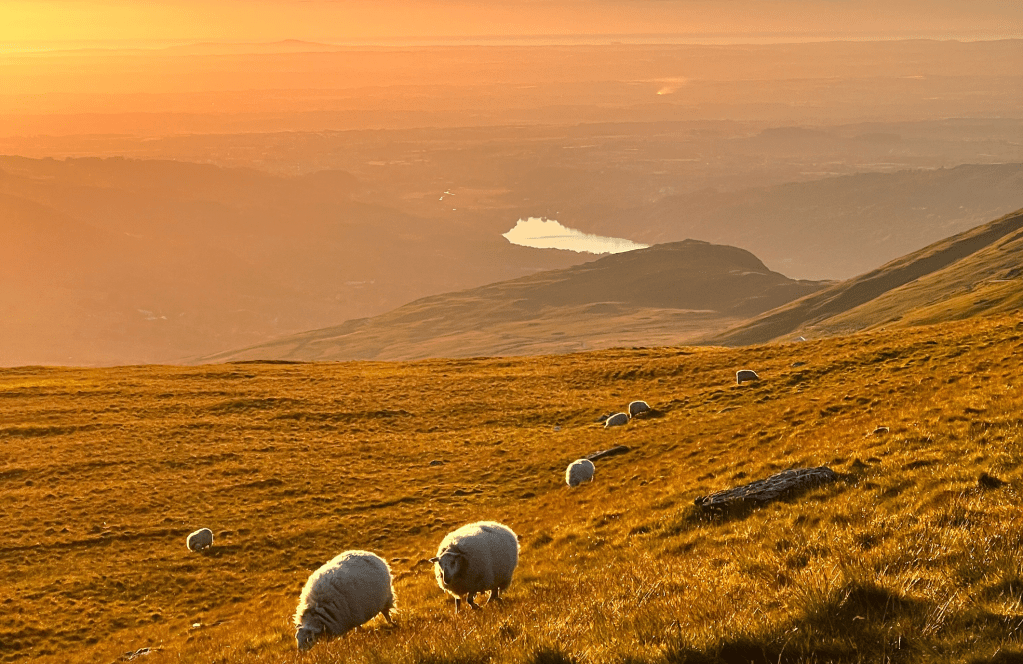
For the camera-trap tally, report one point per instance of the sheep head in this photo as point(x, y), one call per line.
point(306, 635)
point(451, 564)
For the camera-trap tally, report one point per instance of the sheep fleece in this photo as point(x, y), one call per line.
point(200, 539)
point(345, 593)
point(492, 552)
point(579, 471)
point(616, 420)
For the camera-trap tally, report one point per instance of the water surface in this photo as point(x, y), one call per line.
point(549, 234)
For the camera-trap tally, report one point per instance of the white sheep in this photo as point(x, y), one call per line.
point(616, 420)
point(344, 593)
point(637, 407)
point(579, 471)
point(199, 540)
point(476, 558)
point(744, 375)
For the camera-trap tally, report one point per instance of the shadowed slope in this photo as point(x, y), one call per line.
point(663, 294)
point(926, 279)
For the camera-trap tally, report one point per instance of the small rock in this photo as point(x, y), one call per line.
point(880, 431)
point(614, 451)
point(436, 462)
point(763, 491)
point(798, 364)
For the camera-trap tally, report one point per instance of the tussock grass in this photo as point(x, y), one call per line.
point(913, 555)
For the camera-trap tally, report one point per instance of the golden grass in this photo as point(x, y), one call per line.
point(908, 558)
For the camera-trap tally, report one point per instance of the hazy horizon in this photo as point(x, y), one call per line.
point(365, 21)
point(602, 39)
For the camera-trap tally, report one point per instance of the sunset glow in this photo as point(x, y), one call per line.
point(32, 21)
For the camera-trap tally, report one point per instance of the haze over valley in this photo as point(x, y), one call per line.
point(201, 208)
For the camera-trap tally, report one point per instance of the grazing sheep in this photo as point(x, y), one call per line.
point(579, 471)
point(637, 407)
point(476, 558)
point(344, 593)
point(200, 539)
point(744, 375)
point(616, 420)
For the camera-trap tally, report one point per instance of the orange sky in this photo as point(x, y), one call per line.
point(340, 20)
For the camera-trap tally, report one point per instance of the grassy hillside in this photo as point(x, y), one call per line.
point(662, 295)
point(973, 273)
point(914, 555)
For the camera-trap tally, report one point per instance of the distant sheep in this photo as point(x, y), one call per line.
point(200, 539)
point(476, 558)
point(579, 471)
point(637, 407)
point(616, 420)
point(744, 375)
point(344, 593)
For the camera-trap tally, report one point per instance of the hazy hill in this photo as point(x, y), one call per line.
point(112, 261)
point(972, 273)
point(183, 259)
point(661, 295)
point(829, 228)
point(913, 556)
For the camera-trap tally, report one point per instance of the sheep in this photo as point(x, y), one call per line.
point(343, 594)
point(199, 540)
point(637, 407)
point(744, 375)
point(579, 471)
point(476, 558)
point(616, 420)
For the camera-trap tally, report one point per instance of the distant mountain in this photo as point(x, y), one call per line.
point(660, 295)
point(830, 228)
point(977, 272)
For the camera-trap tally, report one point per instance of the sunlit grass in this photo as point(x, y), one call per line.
point(910, 556)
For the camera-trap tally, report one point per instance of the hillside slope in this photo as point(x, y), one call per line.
point(661, 295)
point(972, 273)
point(831, 228)
point(912, 556)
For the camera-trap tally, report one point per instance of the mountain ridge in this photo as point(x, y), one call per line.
point(894, 281)
point(693, 284)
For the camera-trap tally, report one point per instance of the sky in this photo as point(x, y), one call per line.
point(339, 21)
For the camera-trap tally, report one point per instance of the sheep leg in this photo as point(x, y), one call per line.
point(458, 604)
point(470, 601)
point(495, 595)
point(387, 616)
